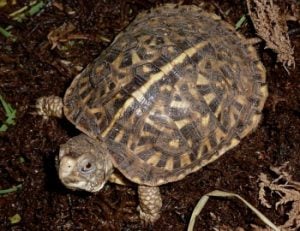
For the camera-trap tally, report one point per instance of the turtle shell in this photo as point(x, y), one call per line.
point(175, 90)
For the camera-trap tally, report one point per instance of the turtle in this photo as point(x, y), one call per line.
point(174, 91)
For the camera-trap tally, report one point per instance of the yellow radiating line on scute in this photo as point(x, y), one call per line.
point(154, 78)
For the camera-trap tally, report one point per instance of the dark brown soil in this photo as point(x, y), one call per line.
point(29, 68)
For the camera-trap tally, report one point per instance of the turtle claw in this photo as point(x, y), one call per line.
point(148, 219)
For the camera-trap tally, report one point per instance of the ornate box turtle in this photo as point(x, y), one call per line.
point(174, 91)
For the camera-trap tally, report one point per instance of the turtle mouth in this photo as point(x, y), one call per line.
point(78, 185)
point(82, 184)
point(97, 188)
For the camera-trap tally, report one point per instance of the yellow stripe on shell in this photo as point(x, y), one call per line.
point(95, 110)
point(142, 148)
point(174, 143)
point(205, 120)
point(204, 143)
point(241, 99)
point(158, 126)
point(169, 164)
point(209, 98)
point(185, 159)
point(87, 98)
point(219, 134)
point(154, 159)
point(84, 88)
point(179, 104)
point(181, 123)
point(201, 80)
point(118, 115)
point(154, 78)
point(119, 136)
point(262, 71)
point(232, 144)
point(135, 57)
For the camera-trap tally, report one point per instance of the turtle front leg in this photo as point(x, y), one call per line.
point(49, 106)
point(150, 203)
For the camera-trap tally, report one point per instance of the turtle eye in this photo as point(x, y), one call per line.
point(87, 166)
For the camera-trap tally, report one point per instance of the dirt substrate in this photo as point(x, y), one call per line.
point(29, 68)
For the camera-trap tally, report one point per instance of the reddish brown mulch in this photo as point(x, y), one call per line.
point(29, 68)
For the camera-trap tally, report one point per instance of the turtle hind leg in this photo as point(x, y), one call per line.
point(49, 106)
point(150, 203)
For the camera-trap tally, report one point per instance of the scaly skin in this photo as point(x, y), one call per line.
point(150, 203)
point(49, 106)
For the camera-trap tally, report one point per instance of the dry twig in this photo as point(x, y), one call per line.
point(289, 192)
point(63, 34)
point(271, 26)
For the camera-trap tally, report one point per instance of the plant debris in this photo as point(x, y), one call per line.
point(241, 21)
point(15, 219)
point(271, 26)
point(200, 205)
point(10, 114)
point(288, 191)
point(10, 190)
point(29, 10)
point(63, 34)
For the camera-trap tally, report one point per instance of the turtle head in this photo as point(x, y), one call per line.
point(84, 163)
